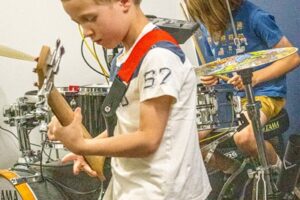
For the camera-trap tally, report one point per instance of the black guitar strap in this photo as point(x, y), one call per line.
point(125, 74)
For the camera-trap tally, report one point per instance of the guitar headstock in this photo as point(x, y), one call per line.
point(41, 67)
point(48, 66)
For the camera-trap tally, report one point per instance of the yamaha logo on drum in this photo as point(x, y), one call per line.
point(9, 195)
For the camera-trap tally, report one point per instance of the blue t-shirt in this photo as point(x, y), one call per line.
point(256, 30)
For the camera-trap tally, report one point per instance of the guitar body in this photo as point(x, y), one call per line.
point(63, 111)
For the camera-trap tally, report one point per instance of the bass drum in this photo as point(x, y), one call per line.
point(26, 191)
point(58, 183)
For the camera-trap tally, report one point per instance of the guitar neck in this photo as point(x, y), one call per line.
point(64, 114)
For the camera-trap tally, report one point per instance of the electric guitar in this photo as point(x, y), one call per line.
point(46, 69)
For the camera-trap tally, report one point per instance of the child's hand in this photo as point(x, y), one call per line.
point(209, 80)
point(71, 136)
point(52, 126)
point(79, 164)
point(237, 82)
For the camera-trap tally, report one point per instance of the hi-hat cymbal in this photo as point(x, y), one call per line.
point(12, 53)
point(244, 61)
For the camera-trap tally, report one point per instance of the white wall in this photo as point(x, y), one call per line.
point(26, 26)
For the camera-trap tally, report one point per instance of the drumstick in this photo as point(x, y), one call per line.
point(197, 47)
point(224, 78)
point(12, 53)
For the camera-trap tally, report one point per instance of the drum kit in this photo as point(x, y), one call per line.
point(244, 65)
point(218, 108)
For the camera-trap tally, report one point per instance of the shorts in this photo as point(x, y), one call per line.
point(270, 106)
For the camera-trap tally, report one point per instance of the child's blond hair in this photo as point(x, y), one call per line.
point(212, 13)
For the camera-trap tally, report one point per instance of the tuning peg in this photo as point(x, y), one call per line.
point(57, 43)
point(36, 84)
point(62, 51)
point(34, 70)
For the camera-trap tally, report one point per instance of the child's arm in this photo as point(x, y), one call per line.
point(279, 67)
point(275, 70)
point(154, 114)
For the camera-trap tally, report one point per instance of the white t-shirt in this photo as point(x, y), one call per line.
point(176, 170)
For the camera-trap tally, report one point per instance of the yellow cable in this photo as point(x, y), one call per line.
point(99, 63)
point(93, 53)
point(212, 137)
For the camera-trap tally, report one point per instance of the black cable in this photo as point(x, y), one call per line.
point(36, 145)
point(88, 64)
point(48, 155)
point(8, 131)
point(58, 188)
point(15, 136)
point(106, 58)
point(71, 190)
point(41, 158)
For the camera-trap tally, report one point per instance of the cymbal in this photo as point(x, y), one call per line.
point(244, 61)
point(12, 53)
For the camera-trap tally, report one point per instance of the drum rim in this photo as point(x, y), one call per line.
point(102, 90)
point(23, 189)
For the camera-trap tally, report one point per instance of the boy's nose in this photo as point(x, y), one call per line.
point(87, 32)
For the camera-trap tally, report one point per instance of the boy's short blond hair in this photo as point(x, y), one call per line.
point(137, 2)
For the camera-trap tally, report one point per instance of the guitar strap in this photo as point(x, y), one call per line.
point(122, 80)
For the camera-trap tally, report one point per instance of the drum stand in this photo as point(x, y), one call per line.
point(263, 172)
point(28, 155)
point(19, 115)
point(25, 119)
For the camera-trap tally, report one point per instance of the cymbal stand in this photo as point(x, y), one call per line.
point(254, 115)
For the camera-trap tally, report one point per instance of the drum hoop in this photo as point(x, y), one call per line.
point(30, 97)
point(86, 90)
point(23, 189)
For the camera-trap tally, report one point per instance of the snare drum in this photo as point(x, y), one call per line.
point(90, 99)
point(217, 107)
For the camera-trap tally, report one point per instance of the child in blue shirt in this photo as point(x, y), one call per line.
point(253, 29)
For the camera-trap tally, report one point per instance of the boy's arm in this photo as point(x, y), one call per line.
point(277, 68)
point(153, 120)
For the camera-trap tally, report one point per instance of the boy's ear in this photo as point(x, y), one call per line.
point(126, 4)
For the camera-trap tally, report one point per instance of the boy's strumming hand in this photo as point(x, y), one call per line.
point(79, 164)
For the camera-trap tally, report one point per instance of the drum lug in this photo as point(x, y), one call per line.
point(26, 179)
